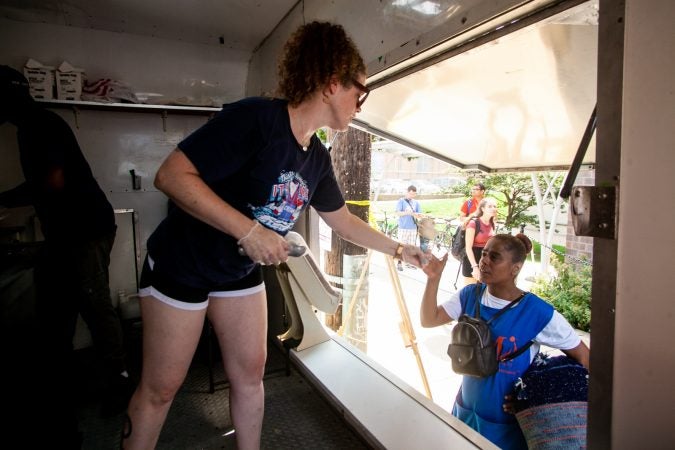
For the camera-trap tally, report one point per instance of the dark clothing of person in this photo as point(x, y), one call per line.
point(72, 277)
point(480, 238)
point(187, 294)
point(248, 156)
point(70, 273)
point(467, 270)
point(79, 210)
point(79, 227)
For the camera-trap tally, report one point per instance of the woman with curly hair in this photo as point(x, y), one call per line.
point(480, 402)
point(240, 182)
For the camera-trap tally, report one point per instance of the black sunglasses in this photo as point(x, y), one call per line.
point(364, 93)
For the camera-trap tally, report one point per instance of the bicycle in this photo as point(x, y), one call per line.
point(388, 228)
point(445, 234)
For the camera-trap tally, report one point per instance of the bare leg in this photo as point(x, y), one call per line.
point(170, 338)
point(240, 324)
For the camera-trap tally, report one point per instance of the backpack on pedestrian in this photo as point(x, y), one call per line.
point(472, 350)
point(458, 247)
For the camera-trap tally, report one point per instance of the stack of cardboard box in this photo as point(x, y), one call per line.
point(69, 81)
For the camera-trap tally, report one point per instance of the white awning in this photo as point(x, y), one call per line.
point(521, 101)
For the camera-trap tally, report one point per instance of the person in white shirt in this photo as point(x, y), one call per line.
point(480, 402)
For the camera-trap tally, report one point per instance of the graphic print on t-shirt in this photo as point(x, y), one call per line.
point(285, 203)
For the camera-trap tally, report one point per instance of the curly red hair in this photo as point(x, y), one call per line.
point(312, 55)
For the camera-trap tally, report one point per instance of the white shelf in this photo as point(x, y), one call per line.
point(133, 107)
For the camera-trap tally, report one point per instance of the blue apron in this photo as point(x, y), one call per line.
point(479, 400)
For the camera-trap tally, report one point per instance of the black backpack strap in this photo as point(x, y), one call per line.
point(480, 287)
point(479, 293)
point(518, 352)
point(513, 303)
point(507, 307)
point(413, 210)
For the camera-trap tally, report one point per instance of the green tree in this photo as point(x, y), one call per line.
point(323, 136)
point(513, 192)
point(518, 193)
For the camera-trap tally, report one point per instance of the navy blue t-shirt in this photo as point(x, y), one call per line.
point(249, 157)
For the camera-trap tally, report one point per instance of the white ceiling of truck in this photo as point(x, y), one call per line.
point(518, 101)
point(243, 24)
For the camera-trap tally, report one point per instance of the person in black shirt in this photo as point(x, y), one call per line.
point(241, 181)
point(78, 225)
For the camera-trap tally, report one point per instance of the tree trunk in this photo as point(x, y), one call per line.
point(350, 156)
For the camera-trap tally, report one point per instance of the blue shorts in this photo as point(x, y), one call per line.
point(173, 293)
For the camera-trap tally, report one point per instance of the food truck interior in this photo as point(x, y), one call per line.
point(495, 86)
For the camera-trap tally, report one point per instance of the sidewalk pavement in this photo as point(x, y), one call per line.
point(385, 340)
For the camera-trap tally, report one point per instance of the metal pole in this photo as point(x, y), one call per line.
point(579, 157)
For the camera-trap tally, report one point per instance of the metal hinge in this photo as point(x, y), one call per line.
point(593, 210)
